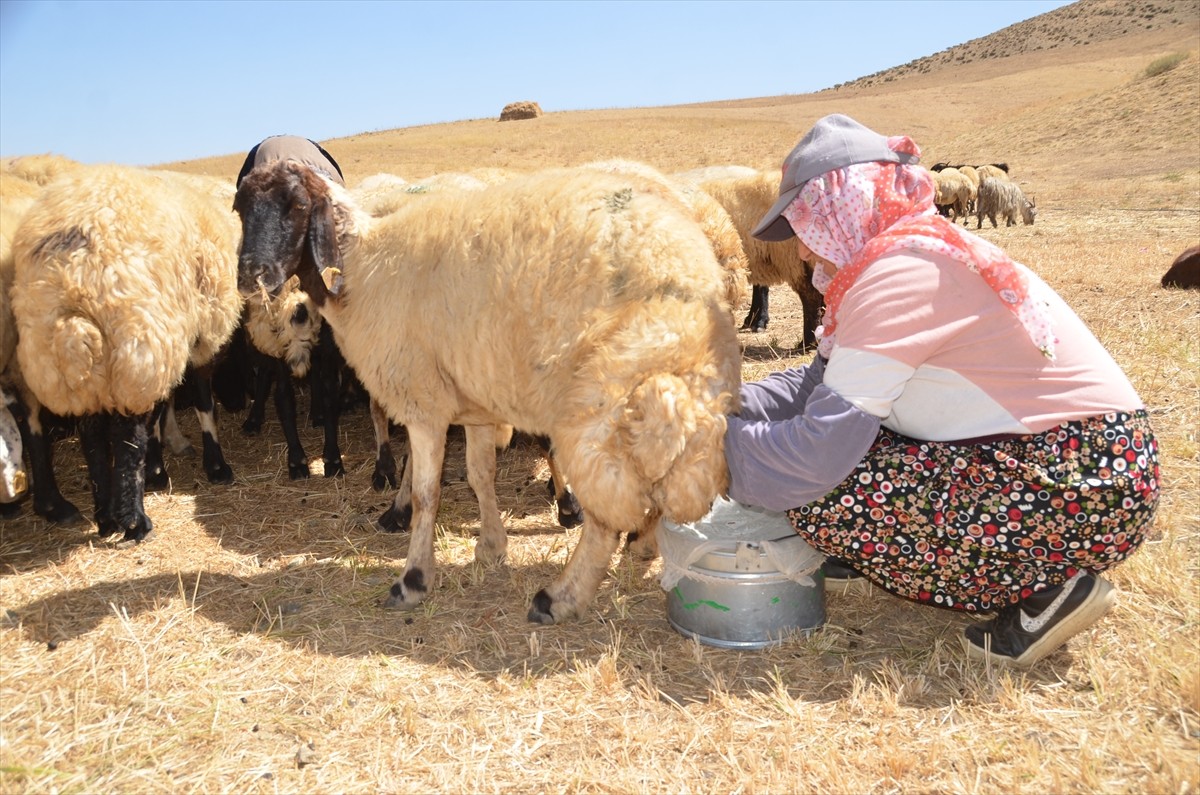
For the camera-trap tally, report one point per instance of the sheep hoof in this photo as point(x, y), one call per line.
point(408, 592)
point(540, 610)
point(643, 546)
point(59, 512)
point(395, 520)
point(334, 469)
point(139, 535)
point(383, 478)
point(490, 554)
point(297, 470)
point(252, 426)
point(220, 474)
point(157, 480)
point(570, 514)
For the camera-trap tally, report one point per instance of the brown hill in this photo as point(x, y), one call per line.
point(1063, 98)
point(1075, 26)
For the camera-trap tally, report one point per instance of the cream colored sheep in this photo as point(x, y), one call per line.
point(747, 199)
point(991, 170)
point(571, 304)
point(124, 277)
point(954, 193)
point(713, 219)
point(20, 412)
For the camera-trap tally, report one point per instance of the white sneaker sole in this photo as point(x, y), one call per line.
point(1092, 610)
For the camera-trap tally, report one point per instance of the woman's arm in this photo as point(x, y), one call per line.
point(782, 395)
point(787, 463)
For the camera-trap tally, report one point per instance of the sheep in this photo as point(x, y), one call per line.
point(1005, 199)
point(569, 303)
point(20, 413)
point(994, 170)
point(973, 178)
point(714, 220)
point(1184, 271)
point(382, 194)
point(747, 199)
point(124, 277)
point(954, 193)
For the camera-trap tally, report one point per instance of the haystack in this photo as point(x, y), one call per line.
point(520, 110)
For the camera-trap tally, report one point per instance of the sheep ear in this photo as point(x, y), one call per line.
point(321, 252)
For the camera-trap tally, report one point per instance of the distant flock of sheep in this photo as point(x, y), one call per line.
point(984, 191)
point(592, 307)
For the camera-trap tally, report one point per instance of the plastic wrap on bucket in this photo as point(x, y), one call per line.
point(740, 578)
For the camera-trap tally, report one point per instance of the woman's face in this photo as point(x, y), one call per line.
point(807, 255)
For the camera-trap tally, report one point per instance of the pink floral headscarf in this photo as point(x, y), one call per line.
point(852, 216)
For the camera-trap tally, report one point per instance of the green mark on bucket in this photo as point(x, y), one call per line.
point(694, 605)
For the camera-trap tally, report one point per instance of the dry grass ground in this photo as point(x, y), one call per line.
point(243, 649)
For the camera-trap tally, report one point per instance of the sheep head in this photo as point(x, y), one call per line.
point(287, 229)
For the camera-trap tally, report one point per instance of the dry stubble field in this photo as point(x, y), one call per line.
point(244, 648)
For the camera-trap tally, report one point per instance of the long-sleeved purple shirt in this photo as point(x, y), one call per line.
point(794, 439)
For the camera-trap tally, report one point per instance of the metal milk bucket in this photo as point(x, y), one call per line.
point(730, 589)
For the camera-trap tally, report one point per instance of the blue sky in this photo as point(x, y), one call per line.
point(151, 82)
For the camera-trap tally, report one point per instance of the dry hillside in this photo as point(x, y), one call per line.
point(245, 648)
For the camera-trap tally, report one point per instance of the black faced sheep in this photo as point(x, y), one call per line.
point(124, 278)
point(571, 304)
point(1002, 198)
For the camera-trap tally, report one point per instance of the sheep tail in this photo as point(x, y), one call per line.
point(675, 439)
point(77, 349)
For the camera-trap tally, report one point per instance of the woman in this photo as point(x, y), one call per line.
point(961, 439)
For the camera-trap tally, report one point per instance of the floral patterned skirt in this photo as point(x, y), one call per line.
point(977, 527)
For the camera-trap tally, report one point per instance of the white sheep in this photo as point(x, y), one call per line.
point(714, 220)
point(993, 170)
point(21, 180)
point(124, 277)
point(954, 193)
point(1003, 198)
point(747, 198)
point(571, 304)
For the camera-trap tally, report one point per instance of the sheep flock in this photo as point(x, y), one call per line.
point(594, 307)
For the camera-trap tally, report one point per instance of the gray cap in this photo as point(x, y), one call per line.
point(835, 141)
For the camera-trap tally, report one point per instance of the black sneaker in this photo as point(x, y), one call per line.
point(842, 578)
point(1024, 633)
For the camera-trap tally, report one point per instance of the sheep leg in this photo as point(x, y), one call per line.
point(573, 591)
point(427, 446)
point(329, 388)
point(155, 467)
point(264, 373)
point(398, 517)
point(812, 303)
point(174, 437)
point(570, 513)
point(128, 441)
point(206, 411)
point(492, 545)
point(643, 543)
point(48, 501)
point(285, 410)
point(94, 439)
point(385, 463)
point(759, 314)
